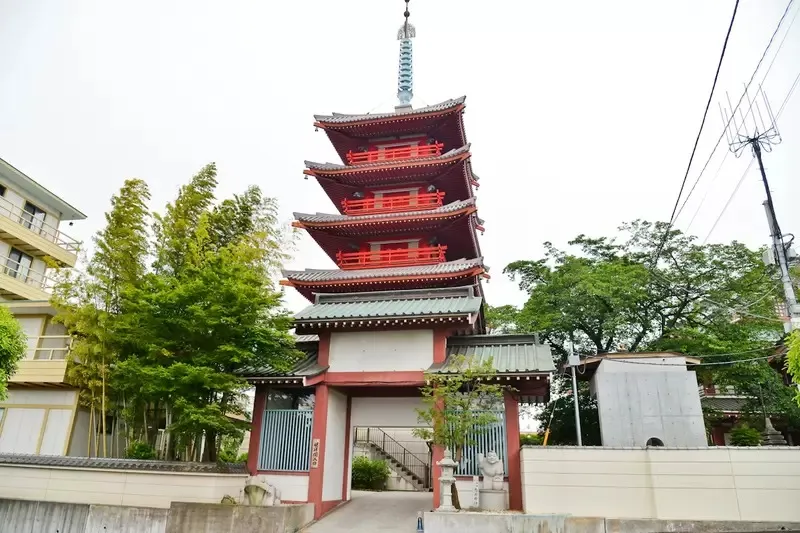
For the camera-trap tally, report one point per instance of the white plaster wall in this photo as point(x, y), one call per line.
point(21, 429)
point(292, 488)
point(50, 398)
point(639, 401)
point(79, 441)
point(385, 412)
point(114, 487)
point(379, 351)
point(334, 446)
point(32, 327)
point(759, 484)
point(54, 438)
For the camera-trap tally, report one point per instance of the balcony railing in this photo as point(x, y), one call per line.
point(38, 226)
point(24, 273)
point(50, 348)
point(391, 258)
point(393, 204)
point(394, 153)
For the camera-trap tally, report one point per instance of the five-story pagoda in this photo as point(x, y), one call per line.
point(405, 297)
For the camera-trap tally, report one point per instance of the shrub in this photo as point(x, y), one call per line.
point(530, 439)
point(369, 474)
point(744, 435)
point(140, 450)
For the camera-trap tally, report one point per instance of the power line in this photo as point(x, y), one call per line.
point(752, 77)
point(741, 180)
point(699, 133)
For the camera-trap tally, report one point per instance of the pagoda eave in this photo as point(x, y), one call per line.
point(347, 132)
point(415, 221)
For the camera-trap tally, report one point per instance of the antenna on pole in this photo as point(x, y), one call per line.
point(405, 74)
point(761, 133)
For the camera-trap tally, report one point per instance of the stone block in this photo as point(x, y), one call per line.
point(626, 525)
point(492, 500)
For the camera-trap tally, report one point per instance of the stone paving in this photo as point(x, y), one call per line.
point(368, 512)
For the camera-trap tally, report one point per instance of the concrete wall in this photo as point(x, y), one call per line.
point(335, 434)
point(680, 484)
point(46, 517)
point(656, 398)
point(294, 488)
point(116, 487)
point(385, 412)
point(377, 351)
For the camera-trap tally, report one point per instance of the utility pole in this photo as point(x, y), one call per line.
point(762, 137)
point(574, 361)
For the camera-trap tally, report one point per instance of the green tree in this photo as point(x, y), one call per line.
point(89, 302)
point(457, 407)
point(743, 435)
point(716, 301)
point(208, 309)
point(13, 345)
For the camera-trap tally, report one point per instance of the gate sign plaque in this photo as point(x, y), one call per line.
point(315, 453)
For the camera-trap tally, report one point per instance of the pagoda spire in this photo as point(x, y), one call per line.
point(405, 74)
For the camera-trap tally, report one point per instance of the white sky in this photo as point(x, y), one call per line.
point(581, 114)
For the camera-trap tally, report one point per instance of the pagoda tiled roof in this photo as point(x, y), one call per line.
point(303, 368)
point(447, 267)
point(341, 118)
point(510, 354)
point(419, 303)
point(391, 163)
point(325, 217)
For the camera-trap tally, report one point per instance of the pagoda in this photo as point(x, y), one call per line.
point(404, 297)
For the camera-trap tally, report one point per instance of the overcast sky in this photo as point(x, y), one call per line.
point(581, 114)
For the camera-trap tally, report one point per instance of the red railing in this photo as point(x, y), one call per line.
point(391, 258)
point(395, 152)
point(393, 204)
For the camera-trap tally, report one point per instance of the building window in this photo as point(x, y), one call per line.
point(2, 190)
point(33, 217)
point(18, 264)
point(654, 441)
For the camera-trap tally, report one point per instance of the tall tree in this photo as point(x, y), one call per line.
point(458, 407)
point(13, 345)
point(716, 301)
point(89, 302)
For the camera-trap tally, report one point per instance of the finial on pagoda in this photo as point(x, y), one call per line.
point(405, 74)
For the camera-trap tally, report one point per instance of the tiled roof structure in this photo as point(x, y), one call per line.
point(395, 304)
point(510, 354)
point(344, 118)
point(389, 163)
point(324, 217)
point(726, 405)
point(305, 367)
point(121, 464)
point(448, 267)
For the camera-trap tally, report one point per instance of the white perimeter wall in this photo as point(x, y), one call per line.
point(292, 488)
point(114, 487)
point(761, 484)
point(379, 351)
point(334, 446)
point(639, 401)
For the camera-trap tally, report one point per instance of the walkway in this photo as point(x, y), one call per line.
point(368, 512)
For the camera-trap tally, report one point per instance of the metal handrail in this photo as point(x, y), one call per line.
point(46, 230)
point(394, 450)
point(47, 353)
point(26, 274)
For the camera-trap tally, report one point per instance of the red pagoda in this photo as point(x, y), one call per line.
point(404, 297)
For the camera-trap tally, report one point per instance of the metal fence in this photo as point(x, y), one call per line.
point(286, 440)
point(491, 438)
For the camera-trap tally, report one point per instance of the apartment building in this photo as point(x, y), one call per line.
point(41, 412)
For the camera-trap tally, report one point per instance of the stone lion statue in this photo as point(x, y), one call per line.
point(492, 469)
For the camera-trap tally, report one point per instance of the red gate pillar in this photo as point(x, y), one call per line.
point(513, 448)
point(256, 426)
point(318, 432)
